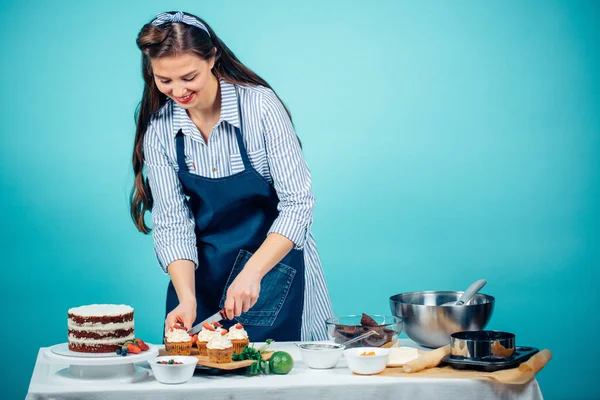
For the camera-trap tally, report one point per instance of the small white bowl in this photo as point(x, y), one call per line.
point(367, 365)
point(320, 355)
point(173, 373)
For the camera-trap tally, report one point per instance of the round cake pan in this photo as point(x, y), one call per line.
point(482, 344)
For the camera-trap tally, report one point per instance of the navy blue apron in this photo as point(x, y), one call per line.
point(233, 215)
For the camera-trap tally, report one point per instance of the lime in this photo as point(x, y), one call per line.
point(281, 362)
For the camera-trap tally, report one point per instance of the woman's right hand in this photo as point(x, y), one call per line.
point(184, 313)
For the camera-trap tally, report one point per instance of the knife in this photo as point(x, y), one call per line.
point(218, 316)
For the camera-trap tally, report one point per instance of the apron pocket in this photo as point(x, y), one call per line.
point(274, 289)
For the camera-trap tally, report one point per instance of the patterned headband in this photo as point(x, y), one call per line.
point(163, 18)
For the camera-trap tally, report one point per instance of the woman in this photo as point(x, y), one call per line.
point(227, 185)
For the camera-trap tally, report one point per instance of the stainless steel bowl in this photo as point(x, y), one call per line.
point(430, 324)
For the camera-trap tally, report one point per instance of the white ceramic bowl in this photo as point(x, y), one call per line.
point(320, 355)
point(367, 365)
point(173, 373)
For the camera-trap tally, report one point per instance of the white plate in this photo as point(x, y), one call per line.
point(63, 350)
point(400, 350)
point(65, 377)
point(60, 353)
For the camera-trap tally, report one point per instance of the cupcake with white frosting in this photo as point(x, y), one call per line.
point(208, 332)
point(220, 348)
point(178, 342)
point(239, 338)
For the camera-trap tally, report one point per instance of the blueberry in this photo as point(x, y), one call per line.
point(124, 353)
point(119, 350)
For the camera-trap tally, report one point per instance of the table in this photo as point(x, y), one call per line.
point(301, 383)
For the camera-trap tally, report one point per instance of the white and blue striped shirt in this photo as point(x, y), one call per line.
point(274, 152)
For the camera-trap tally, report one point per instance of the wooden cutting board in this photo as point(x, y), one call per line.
point(203, 360)
point(516, 376)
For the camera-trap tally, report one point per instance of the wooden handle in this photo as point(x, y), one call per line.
point(537, 362)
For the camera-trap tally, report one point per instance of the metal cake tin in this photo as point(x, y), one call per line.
point(490, 345)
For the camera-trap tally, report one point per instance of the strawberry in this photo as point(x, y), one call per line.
point(217, 324)
point(238, 326)
point(143, 346)
point(224, 332)
point(208, 326)
point(178, 326)
point(132, 348)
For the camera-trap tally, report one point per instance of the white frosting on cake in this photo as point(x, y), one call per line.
point(178, 336)
point(99, 326)
point(73, 339)
point(101, 310)
point(237, 334)
point(219, 343)
point(205, 335)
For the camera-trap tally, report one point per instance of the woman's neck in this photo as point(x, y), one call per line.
point(208, 108)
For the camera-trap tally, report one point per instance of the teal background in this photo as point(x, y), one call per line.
point(448, 141)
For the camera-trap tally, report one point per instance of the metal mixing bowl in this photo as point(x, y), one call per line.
point(430, 324)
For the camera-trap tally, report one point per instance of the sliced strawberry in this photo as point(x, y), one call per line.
point(217, 324)
point(208, 326)
point(177, 326)
point(238, 326)
point(132, 348)
point(142, 345)
point(224, 332)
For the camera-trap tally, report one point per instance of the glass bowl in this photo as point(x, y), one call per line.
point(346, 327)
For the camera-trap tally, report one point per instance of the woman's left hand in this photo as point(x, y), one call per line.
point(242, 293)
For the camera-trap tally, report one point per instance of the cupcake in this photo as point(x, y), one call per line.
point(220, 348)
point(239, 338)
point(208, 332)
point(178, 342)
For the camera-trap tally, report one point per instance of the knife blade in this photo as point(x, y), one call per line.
point(218, 316)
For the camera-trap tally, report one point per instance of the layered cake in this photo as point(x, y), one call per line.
point(99, 328)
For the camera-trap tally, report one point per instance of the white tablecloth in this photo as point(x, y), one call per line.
point(300, 383)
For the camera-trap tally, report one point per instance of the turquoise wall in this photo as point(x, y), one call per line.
point(448, 141)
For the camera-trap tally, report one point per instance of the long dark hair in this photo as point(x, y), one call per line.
point(167, 40)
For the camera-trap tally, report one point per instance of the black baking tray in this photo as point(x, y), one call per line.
point(201, 369)
point(491, 364)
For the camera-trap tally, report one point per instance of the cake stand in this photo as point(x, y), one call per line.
point(99, 367)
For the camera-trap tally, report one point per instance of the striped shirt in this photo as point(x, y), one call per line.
point(274, 152)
